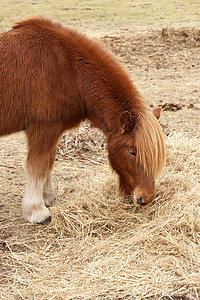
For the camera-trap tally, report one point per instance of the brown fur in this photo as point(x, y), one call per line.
point(52, 78)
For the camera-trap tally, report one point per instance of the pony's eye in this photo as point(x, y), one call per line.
point(132, 152)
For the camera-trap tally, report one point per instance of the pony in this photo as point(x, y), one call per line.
point(51, 79)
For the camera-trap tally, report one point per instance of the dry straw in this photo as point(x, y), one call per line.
point(100, 246)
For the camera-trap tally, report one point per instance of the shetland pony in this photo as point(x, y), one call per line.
point(51, 79)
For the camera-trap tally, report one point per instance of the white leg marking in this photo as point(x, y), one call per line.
point(33, 207)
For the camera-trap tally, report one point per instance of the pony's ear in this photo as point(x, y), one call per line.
point(157, 112)
point(127, 122)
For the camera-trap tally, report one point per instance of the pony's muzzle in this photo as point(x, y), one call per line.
point(142, 198)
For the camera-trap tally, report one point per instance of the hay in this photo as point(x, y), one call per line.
point(83, 143)
point(99, 246)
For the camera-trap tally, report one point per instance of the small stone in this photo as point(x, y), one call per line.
point(191, 105)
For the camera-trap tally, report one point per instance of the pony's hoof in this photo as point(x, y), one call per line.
point(48, 202)
point(46, 221)
point(36, 215)
point(49, 199)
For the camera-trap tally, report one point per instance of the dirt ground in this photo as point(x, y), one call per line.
point(165, 66)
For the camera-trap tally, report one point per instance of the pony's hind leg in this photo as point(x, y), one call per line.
point(41, 144)
point(48, 191)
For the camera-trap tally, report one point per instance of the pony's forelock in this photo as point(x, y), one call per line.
point(149, 141)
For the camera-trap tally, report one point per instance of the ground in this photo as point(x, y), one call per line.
point(98, 246)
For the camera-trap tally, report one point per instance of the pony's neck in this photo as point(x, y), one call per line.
point(104, 107)
point(104, 85)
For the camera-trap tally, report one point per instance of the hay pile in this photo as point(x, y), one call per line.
point(138, 252)
point(99, 246)
point(83, 143)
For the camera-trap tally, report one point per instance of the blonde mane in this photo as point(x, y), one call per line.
point(150, 144)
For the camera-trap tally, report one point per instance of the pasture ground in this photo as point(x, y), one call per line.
point(99, 246)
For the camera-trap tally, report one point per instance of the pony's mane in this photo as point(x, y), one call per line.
point(149, 141)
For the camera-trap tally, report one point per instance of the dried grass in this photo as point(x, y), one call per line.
point(99, 246)
point(83, 143)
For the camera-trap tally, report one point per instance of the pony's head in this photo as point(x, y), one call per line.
point(137, 154)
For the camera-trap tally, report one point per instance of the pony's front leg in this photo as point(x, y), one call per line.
point(33, 207)
point(41, 154)
point(48, 191)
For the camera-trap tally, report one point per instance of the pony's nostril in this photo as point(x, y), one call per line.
point(141, 200)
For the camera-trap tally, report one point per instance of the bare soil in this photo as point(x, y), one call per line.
point(165, 66)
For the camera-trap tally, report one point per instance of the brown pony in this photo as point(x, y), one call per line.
point(51, 79)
